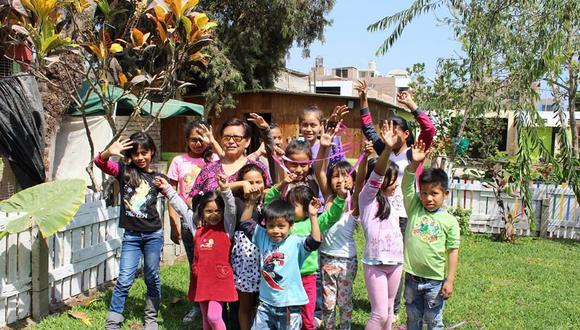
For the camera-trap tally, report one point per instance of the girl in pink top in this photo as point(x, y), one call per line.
point(383, 251)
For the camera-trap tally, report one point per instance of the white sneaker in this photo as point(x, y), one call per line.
point(191, 315)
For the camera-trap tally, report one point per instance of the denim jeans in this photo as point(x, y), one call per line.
point(134, 246)
point(424, 303)
point(277, 318)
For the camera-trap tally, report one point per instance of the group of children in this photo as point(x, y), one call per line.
point(269, 244)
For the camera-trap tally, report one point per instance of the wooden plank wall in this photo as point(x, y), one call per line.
point(557, 213)
point(15, 274)
point(84, 253)
point(284, 109)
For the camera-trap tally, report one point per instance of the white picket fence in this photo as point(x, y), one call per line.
point(557, 213)
point(82, 256)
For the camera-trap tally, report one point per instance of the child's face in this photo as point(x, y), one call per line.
point(277, 136)
point(432, 196)
point(339, 178)
point(301, 165)
point(255, 179)
point(212, 214)
point(278, 229)
point(402, 137)
point(142, 158)
point(310, 127)
point(195, 143)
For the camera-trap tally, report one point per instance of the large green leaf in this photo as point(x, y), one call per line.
point(50, 206)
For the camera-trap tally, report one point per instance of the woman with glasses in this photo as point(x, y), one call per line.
point(235, 138)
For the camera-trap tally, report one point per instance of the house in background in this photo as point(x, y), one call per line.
point(283, 108)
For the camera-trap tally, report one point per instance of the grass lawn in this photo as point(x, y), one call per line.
point(533, 284)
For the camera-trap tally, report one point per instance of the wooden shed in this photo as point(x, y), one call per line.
point(283, 108)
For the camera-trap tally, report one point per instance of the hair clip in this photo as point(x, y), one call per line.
point(200, 193)
point(300, 138)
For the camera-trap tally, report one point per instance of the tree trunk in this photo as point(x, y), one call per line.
point(573, 78)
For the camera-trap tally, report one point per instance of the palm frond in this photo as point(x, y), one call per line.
point(402, 19)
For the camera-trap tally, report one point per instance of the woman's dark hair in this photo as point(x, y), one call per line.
point(384, 209)
point(139, 140)
point(237, 122)
point(200, 201)
point(279, 208)
point(195, 124)
point(301, 195)
point(340, 166)
point(402, 124)
point(298, 146)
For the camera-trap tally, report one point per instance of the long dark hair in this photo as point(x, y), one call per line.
point(384, 209)
point(139, 140)
point(340, 166)
point(196, 123)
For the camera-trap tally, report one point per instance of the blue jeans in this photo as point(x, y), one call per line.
point(134, 246)
point(424, 303)
point(279, 318)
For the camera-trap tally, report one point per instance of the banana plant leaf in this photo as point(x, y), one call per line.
point(50, 206)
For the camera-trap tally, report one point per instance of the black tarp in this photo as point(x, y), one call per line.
point(22, 128)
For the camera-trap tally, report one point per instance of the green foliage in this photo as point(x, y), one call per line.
point(50, 206)
point(462, 216)
point(508, 48)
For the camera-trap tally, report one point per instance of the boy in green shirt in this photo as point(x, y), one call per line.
point(431, 237)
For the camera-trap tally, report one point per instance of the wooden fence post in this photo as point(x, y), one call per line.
point(40, 301)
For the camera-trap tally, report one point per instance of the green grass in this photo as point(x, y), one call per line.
point(532, 284)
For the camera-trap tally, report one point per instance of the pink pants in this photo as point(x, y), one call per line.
point(211, 311)
point(382, 284)
point(307, 311)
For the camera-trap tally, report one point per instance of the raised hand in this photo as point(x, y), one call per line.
point(388, 134)
point(258, 120)
point(117, 148)
point(362, 88)
point(343, 190)
point(313, 207)
point(279, 151)
point(368, 148)
point(223, 182)
point(337, 114)
point(406, 99)
point(161, 183)
point(419, 151)
point(328, 134)
point(248, 189)
point(206, 133)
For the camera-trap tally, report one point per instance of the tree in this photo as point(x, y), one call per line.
point(509, 47)
point(253, 38)
point(131, 45)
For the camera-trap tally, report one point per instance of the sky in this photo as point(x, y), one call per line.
point(348, 43)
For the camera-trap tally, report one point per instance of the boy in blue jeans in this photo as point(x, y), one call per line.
point(432, 235)
point(281, 256)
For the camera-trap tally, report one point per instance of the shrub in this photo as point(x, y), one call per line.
point(462, 216)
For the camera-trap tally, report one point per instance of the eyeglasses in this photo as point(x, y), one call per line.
point(236, 138)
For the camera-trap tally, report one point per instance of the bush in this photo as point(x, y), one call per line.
point(462, 216)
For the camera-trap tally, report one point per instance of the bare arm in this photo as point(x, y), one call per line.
point(360, 175)
point(174, 219)
point(313, 208)
point(452, 260)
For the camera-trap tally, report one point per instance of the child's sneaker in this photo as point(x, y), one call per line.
point(193, 313)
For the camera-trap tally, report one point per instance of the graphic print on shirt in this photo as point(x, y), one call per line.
point(207, 244)
point(136, 206)
point(272, 278)
point(427, 229)
point(189, 179)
